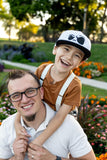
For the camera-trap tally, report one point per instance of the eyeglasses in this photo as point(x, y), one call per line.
point(29, 92)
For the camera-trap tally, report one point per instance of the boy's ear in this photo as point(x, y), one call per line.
point(54, 50)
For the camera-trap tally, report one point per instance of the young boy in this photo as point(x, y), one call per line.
point(71, 49)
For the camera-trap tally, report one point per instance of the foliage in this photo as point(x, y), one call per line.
point(100, 101)
point(63, 14)
point(27, 32)
point(20, 8)
point(102, 157)
point(6, 108)
point(1, 66)
point(89, 69)
point(16, 53)
point(93, 120)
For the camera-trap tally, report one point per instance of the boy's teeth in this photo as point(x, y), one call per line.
point(27, 106)
point(65, 62)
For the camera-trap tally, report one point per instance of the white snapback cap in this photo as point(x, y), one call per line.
point(76, 39)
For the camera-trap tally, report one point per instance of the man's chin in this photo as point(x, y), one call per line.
point(30, 118)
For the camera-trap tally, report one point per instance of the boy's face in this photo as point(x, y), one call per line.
point(67, 57)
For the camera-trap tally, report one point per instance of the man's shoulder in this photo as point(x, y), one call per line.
point(71, 124)
point(9, 120)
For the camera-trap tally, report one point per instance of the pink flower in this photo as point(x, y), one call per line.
point(98, 124)
point(92, 144)
point(103, 138)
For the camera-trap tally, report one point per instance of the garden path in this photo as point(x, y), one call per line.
point(86, 81)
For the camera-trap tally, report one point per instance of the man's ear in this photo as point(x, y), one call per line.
point(54, 50)
point(42, 92)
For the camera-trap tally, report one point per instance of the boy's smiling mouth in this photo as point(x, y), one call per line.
point(64, 62)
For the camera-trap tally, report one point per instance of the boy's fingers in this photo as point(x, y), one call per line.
point(35, 147)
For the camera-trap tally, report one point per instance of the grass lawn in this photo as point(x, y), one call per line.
point(93, 91)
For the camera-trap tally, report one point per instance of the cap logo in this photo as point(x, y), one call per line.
point(79, 39)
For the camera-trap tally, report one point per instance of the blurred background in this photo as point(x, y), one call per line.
point(38, 20)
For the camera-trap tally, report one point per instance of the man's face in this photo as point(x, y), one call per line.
point(27, 107)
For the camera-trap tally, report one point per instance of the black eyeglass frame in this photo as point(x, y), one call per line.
point(21, 93)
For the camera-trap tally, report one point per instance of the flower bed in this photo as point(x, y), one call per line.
point(92, 118)
point(6, 108)
point(102, 157)
point(89, 69)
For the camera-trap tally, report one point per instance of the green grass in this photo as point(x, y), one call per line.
point(93, 91)
point(99, 53)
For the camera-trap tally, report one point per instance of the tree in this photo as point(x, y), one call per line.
point(103, 17)
point(27, 32)
point(64, 14)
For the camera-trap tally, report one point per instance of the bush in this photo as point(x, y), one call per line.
point(14, 53)
point(93, 120)
point(1, 66)
point(6, 108)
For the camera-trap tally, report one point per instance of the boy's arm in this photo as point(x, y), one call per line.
point(53, 125)
point(18, 127)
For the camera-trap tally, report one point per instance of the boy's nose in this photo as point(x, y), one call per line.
point(70, 55)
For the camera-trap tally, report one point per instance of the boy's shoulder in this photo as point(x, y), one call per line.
point(76, 79)
point(40, 69)
point(43, 65)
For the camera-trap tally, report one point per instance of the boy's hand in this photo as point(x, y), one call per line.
point(20, 131)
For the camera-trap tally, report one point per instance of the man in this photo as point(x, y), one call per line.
point(26, 95)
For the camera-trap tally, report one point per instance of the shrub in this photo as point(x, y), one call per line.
point(93, 120)
point(6, 108)
point(1, 66)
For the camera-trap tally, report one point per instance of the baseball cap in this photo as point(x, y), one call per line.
point(76, 39)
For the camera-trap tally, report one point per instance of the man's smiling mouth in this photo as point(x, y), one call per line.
point(28, 106)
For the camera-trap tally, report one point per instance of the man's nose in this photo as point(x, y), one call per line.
point(24, 98)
